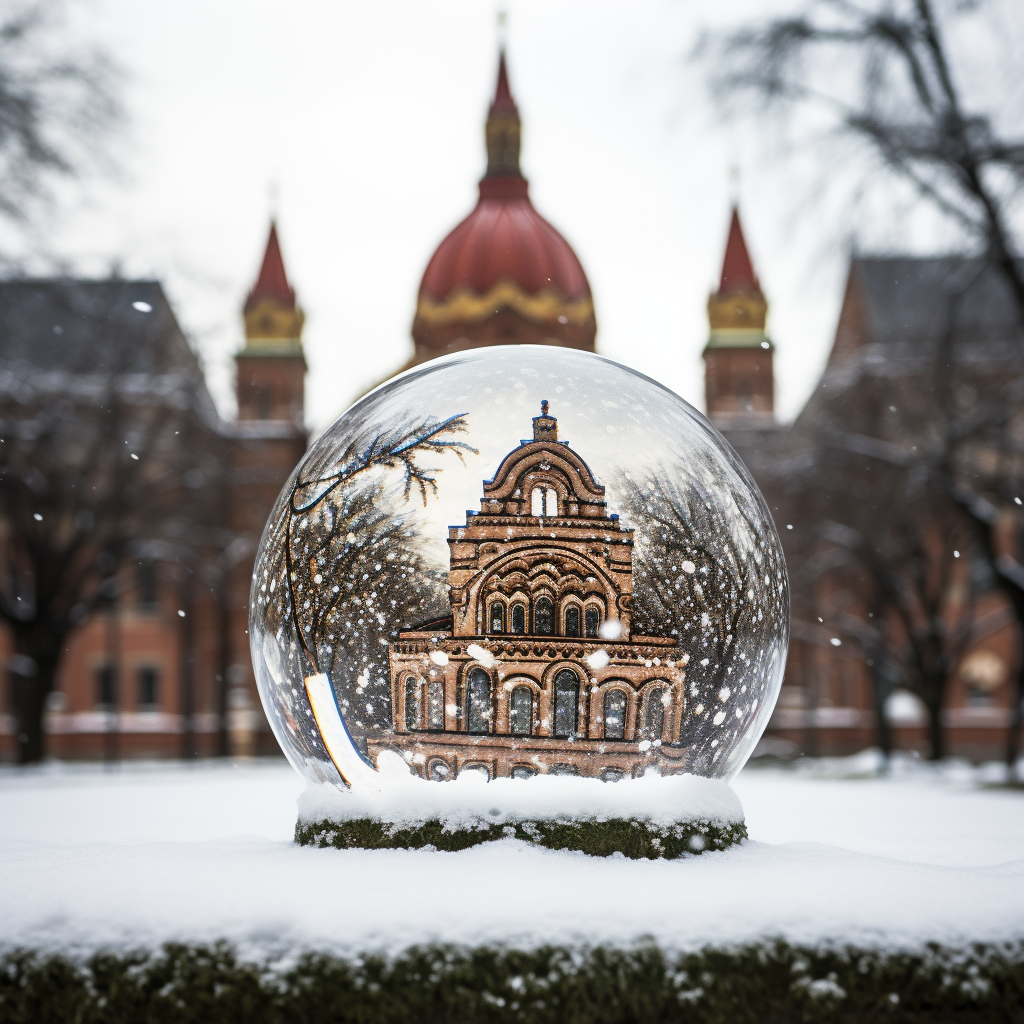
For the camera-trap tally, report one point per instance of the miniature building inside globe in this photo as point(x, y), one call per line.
point(538, 668)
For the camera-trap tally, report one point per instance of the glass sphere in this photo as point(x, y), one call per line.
point(516, 561)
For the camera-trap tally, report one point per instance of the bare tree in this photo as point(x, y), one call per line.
point(714, 584)
point(884, 75)
point(97, 461)
point(907, 104)
point(340, 573)
point(58, 104)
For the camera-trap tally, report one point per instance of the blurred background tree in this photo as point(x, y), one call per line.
point(59, 106)
point(927, 441)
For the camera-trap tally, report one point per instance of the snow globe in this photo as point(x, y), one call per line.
point(520, 591)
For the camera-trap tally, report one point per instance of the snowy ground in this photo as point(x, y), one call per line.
point(141, 854)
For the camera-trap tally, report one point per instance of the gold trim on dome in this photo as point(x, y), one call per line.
point(464, 305)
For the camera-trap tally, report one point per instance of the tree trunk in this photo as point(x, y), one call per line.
point(881, 689)
point(223, 660)
point(1016, 720)
point(936, 732)
point(33, 670)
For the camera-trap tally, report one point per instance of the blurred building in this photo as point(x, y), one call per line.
point(895, 313)
point(163, 667)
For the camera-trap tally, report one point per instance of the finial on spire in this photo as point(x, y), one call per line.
point(545, 426)
point(734, 184)
point(503, 128)
point(502, 28)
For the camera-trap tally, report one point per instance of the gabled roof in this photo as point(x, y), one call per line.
point(80, 328)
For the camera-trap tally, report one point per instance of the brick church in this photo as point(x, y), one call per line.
point(542, 578)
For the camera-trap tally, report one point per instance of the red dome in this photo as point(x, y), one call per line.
point(504, 237)
point(504, 275)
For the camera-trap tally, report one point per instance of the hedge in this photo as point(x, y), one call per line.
point(768, 983)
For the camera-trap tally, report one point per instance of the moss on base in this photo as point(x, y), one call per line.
point(638, 840)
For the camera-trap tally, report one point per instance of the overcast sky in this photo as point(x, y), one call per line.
point(369, 119)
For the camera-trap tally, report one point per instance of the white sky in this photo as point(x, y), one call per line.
point(370, 118)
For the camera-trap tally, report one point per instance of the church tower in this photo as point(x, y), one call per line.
point(272, 365)
point(739, 375)
point(504, 276)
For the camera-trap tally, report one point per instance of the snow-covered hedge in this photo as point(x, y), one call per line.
point(651, 817)
point(767, 982)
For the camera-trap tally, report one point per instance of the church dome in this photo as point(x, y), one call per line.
point(504, 275)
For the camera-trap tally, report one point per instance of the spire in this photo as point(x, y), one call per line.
point(503, 129)
point(272, 281)
point(737, 270)
point(545, 426)
point(273, 320)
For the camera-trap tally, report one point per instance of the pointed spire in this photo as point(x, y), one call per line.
point(503, 129)
point(272, 281)
point(737, 269)
point(503, 102)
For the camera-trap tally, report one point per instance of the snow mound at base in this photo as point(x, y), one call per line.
point(470, 801)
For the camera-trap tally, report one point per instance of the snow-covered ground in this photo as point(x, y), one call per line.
point(145, 853)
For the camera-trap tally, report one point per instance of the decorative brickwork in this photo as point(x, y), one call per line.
point(538, 669)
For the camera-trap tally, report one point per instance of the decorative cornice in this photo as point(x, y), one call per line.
point(464, 305)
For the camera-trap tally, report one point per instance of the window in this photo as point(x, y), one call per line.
point(146, 586)
point(654, 715)
point(612, 775)
point(567, 699)
point(523, 771)
point(476, 769)
point(520, 716)
point(412, 703)
point(497, 618)
point(543, 617)
point(593, 621)
point(106, 686)
point(614, 715)
point(149, 687)
point(572, 621)
point(563, 769)
point(439, 771)
point(544, 502)
point(518, 618)
point(478, 702)
point(435, 704)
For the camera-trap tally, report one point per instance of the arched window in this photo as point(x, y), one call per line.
point(520, 715)
point(497, 618)
point(478, 702)
point(518, 618)
point(593, 621)
point(654, 715)
point(567, 700)
point(544, 502)
point(523, 771)
point(612, 775)
point(439, 771)
point(614, 715)
point(435, 704)
point(412, 703)
point(572, 621)
point(543, 617)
